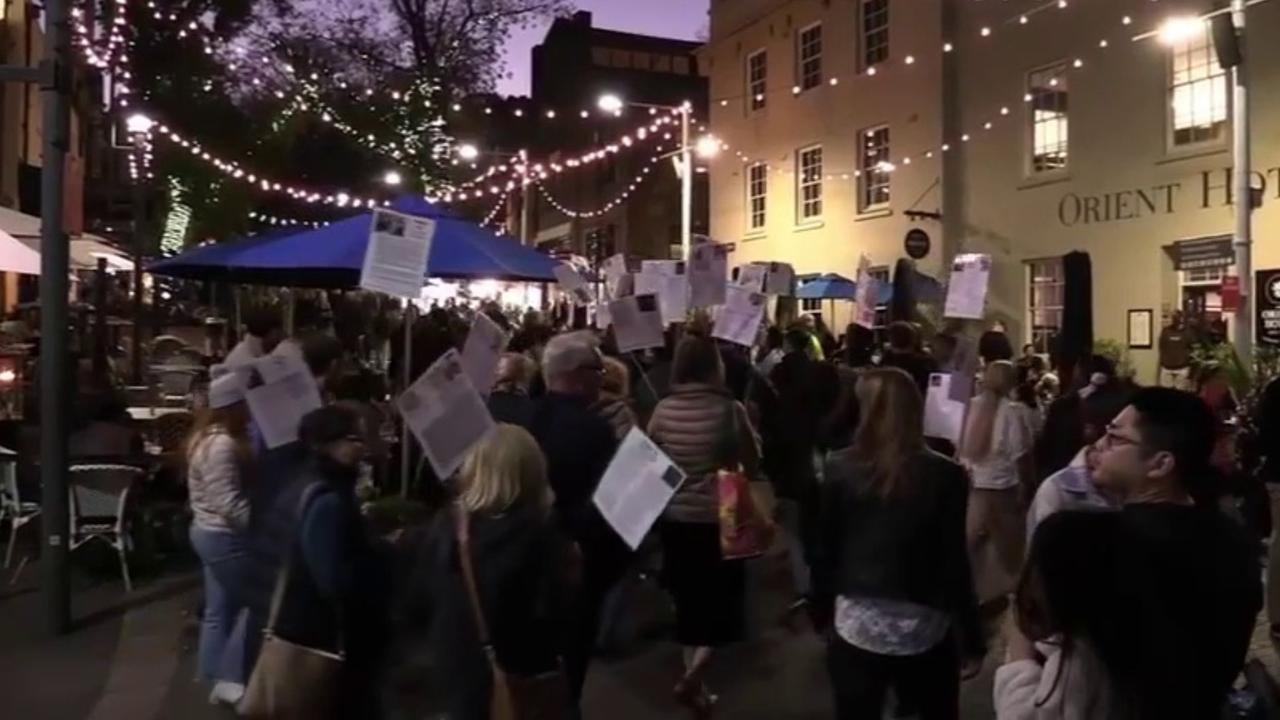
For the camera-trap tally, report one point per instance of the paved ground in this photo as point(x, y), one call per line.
point(132, 658)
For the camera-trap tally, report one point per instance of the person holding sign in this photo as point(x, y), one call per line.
point(891, 576)
point(702, 429)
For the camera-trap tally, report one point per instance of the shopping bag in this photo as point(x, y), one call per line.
point(745, 531)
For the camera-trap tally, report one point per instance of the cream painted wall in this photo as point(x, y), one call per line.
point(900, 95)
point(1118, 145)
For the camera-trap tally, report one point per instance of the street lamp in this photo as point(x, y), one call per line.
point(392, 178)
point(1179, 29)
point(468, 152)
point(139, 127)
point(612, 103)
point(707, 147)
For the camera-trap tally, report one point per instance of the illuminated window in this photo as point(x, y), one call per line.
point(809, 57)
point(809, 183)
point(874, 169)
point(1047, 89)
point(757, 79)
point(1198, 91)
point(875, 32)
point(1044, 301)
point(757, 192)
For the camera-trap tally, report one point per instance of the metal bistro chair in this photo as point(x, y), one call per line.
point(98, 510)
point(14, 507)
point(176, 383)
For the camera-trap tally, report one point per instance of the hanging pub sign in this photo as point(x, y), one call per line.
point(917, 244)
point(1267, 288)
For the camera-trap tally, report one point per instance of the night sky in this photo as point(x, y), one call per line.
point(670, 18)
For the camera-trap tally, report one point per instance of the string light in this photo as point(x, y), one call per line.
point(273, 220)
point(632, 186)
point(493, 213)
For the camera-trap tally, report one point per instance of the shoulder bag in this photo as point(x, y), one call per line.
point(744, 530)
point(291, 681)
point(514, 697)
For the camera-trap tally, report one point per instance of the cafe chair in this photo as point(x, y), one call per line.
point(18, 510)
point(98, 502)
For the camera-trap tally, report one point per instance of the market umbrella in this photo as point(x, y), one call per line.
point(827, 287)
point(332, 256)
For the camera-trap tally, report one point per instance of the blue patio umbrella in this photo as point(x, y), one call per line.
point(836, 287)
point(331, 256)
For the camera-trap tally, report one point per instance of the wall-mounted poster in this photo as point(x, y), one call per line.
point(1140, 329)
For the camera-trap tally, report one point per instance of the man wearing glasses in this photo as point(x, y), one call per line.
point(1190, 586)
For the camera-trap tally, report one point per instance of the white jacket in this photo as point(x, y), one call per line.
point(1071, 488)
point(218, 500)
point(1074, 689)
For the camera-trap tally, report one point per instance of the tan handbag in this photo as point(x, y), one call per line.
point(514, 697)
point(291, 681)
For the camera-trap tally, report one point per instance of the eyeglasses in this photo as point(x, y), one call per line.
point(1113, 439)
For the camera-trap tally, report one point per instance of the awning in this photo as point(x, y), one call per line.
point(86, 248)
point(15, 256)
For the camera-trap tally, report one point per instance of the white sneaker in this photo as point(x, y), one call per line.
point(226, 693)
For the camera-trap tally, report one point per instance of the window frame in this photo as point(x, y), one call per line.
point(802, 77)
point(1217, 73)
point(754, 105)
point(865, 34)
point(870, 177)
point(801, 184)
point(763, 197)
point(1030, 168)
point(1038, 335)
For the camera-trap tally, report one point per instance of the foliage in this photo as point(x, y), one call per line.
point(1247, 380)
point(1118, 354)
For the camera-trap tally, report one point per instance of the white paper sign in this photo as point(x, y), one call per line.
point(673, 301)
point(752, 277)
point(647, 283)
point(484, 346)
point(445, 413)
point(865, 294)
point(395, 261)
point(574, 284)
point(637, 323)
point(943, 416)
point(636, 487)
point(708, 271)
point(287, 394)
point(614, 270)
point(738, 321)
point(780, 279)
point(967, 289)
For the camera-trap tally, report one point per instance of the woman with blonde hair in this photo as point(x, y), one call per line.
point(996, 447)
point(890, 572)
point(524, 571)
point(614, 404)
point(217, 455)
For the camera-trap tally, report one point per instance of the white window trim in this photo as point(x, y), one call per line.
point(1173, 148)
point(750, 91)
point(1028, 323)
point(799, 57)
point(1029, 128)
point(861, 180)
point(801, 220)
point(752, 229)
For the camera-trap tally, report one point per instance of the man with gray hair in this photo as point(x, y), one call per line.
point(578, 445)
point(509, 401)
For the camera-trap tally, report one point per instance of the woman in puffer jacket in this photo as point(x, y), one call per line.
point(703, 429)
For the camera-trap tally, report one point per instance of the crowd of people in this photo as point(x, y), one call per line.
point(1103, 522)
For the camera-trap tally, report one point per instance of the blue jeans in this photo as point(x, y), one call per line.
point(225, 556)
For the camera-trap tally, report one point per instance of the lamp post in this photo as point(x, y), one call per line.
point(1242, 167)
point(139, 127)
point(705, 147)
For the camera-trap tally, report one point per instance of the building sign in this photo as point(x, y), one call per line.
point(1230, 293)
point(1268, 307)
point(1210, 252)
point(917, 244)
point(1210, 189)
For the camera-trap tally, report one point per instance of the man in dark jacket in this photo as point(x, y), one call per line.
point(510, 402)
point(579, 445)
point(1189, 587)
point(904, 353)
